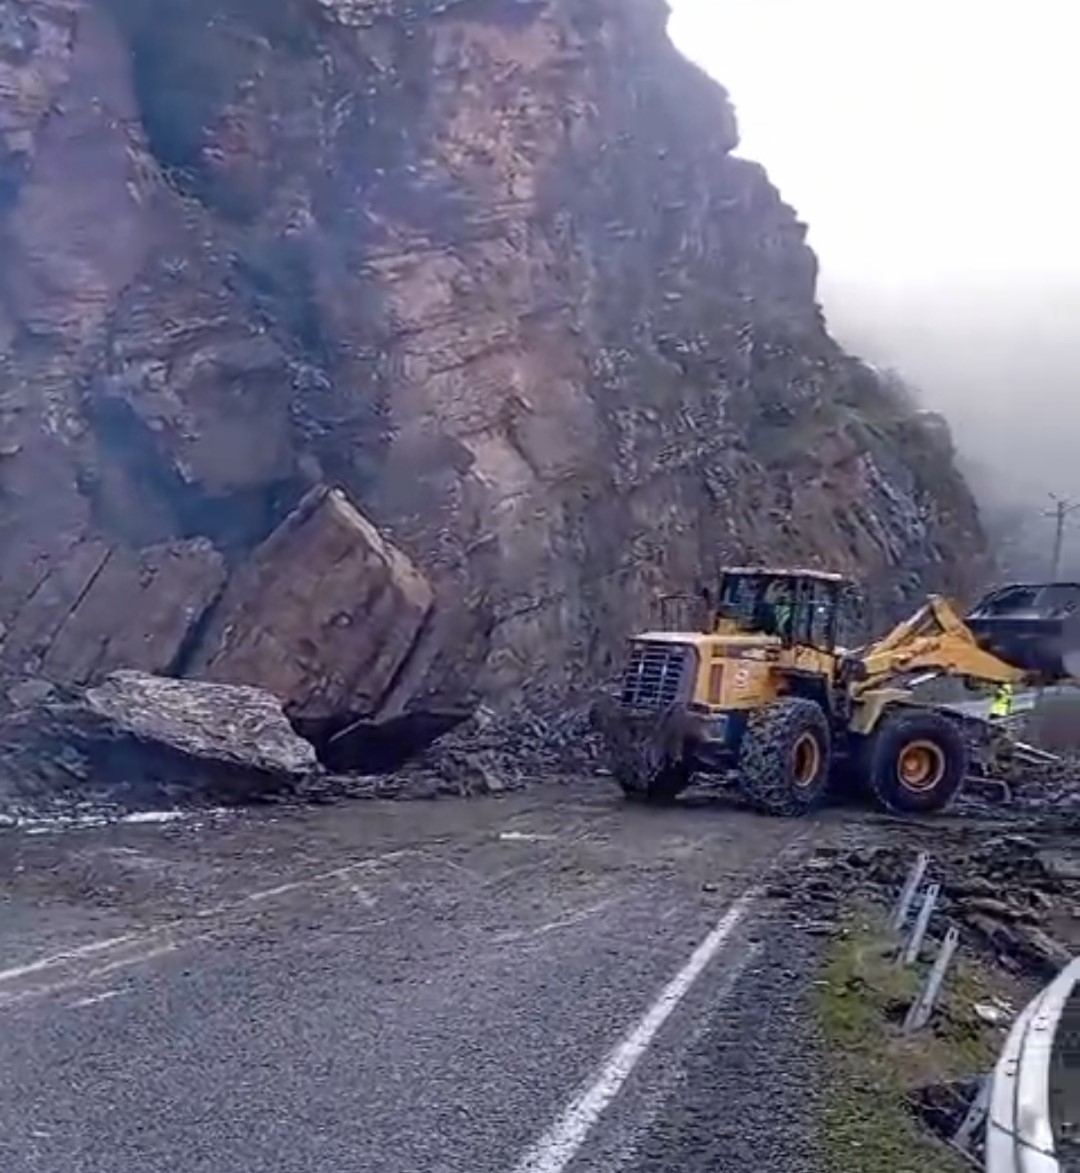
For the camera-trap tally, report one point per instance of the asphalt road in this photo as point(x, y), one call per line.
point(529, 984)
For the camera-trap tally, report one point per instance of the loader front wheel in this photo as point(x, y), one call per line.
point(785, 757)
point(646, 773)
point(662, 786)
point(917, 762)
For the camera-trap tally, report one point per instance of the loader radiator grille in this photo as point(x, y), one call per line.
point(654, 675)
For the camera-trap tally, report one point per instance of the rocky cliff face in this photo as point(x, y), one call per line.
point(488, 265)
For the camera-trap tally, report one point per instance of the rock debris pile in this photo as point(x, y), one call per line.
point(486, 754)
point(138, 741)
point(1014, 892)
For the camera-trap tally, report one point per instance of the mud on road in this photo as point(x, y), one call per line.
point(543, 981)
point(512, 984)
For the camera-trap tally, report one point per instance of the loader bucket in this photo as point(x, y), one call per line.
point(1034, 627)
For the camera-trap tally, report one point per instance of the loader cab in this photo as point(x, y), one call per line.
point(801, 608)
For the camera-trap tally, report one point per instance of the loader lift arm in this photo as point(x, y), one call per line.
point(934, 639)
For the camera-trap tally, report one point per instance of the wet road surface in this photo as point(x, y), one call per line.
point(526, 984)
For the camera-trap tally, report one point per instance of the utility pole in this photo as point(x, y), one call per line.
point(1061, 512)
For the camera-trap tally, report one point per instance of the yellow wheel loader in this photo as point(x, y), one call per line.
point(767, 693)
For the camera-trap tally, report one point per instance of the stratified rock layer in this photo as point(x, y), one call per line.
point(490, 266)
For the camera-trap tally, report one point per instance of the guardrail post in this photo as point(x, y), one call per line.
point(909, 953)
point(975, 1117)
point(919, 1013)
point(902, 908)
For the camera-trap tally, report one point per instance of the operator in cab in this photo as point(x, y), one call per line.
point(776, 614)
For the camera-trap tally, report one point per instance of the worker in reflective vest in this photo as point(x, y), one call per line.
point(1001, 705)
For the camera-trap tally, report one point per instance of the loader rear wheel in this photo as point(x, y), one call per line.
point(917, 762)
point(785, 757)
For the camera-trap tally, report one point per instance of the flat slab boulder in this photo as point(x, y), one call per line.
point(141, 739)
point(326, 613)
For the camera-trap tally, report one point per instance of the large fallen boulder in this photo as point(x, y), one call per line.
point(326, 613)
point(138, 739)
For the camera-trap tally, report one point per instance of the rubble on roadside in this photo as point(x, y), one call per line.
point(1032, 788)
point(1015, 892)
point(488, 753)
point(139, 741)
point(898, 1092)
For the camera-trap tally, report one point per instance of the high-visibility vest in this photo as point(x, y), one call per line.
point(1001, 706)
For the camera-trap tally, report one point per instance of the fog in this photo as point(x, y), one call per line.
point(929, 147)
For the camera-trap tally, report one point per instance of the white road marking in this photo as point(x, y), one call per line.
point(137, 948)
point(95, 999)
point(565, 922)
point(91, 975)
point(622, 1147)
point(69, 955)
point(554, 1151)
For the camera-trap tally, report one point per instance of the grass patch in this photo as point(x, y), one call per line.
point(860, 1000)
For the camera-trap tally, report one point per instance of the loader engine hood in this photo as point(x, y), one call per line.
point(667, 668)
point(734, 645)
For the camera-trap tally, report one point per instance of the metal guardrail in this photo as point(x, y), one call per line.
point(1019, 1133)
point(1017, 1106)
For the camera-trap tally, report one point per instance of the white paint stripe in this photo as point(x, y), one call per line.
point(92, 975)
point(567, 922)
point(96, 999)
point(562, 1142)
point(622, 1146)
point(177, 927)
point(68, 955)
point(371, 863)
